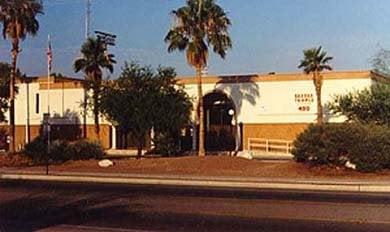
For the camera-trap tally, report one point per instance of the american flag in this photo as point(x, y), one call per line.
point(49, 54)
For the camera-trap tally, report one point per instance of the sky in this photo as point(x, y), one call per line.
point(267, 35)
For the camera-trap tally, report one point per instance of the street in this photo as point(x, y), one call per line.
point(45, 206)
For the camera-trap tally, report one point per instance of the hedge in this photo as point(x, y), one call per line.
point(61, 151)
point(366, 146)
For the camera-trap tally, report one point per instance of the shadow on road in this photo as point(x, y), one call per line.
point(32, 207)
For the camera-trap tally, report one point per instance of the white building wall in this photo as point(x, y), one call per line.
point(274, 101)
point(21, 104)
point(256, 102)
point(63, 102)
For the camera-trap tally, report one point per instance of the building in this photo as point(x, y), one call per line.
point(66, 96)
point(238, 108)
point(275, 107)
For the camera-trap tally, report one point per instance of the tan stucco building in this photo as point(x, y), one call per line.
point(237, 107)
point(65, 97)
point(278, 106)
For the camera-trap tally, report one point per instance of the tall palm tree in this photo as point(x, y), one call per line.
point(5, 79)
point(314, 61)
point(199, 24)
point(19, 19)
point(5, 76)
point(94, 58)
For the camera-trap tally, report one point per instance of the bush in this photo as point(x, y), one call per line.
point(166, 145)
point(3, 139)
point(372, 148)
point(61, 151)
point(36, 150)
point(366, 146)
point(371, 105)
point(323, 145)
point(85, 149)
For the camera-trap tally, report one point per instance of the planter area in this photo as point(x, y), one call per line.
point(200, 166)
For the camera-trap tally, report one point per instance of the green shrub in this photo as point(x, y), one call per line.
point(323, 145)
point(371, 105)
point(36, 150)
point(366, 146)
point(371, 151)
point(3, 138)
point(61, 151)
point(166, 146)
point(85, 149)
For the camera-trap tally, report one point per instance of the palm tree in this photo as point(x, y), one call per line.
point(5, 79)
point(198, 25)
point(5, 76)
point(19, 19)
point(315, 61)
point(94, 59)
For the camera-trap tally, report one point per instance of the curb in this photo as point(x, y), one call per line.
point(197, 182)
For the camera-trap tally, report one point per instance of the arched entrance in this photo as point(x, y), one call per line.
point(219, 115)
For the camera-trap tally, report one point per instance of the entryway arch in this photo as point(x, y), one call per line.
point(220, 121)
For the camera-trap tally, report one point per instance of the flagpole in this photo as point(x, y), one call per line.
point(48, 73)
point(49, 62)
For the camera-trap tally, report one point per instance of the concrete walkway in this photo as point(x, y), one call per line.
point(262, 155)
point(200, 181)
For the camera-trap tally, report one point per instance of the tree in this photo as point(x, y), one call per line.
point(5, 76)
point(94, 59)
point(371, 105)
point(19, 19)
point(314, 62)
point(171, 114)
point(198, 25)
point(172, 105)
point(381, 62)
point(141, 99)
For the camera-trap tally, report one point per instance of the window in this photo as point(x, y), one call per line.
point(37, 103)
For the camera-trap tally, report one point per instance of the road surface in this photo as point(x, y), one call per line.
point(45, 206)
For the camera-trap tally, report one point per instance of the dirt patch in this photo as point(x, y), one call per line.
point(211, 166)
point(14, 160)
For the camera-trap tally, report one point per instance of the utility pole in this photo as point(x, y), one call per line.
point(87, 18)
point(87, 34)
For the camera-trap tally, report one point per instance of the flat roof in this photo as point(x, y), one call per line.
point(242, 78)
point(71, 82)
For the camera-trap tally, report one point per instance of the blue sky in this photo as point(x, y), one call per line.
point(268, 35)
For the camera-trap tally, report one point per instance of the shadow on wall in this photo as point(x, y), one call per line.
point(66, 127)
point(239, 88)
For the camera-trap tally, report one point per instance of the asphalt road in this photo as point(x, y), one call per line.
point(39, 206)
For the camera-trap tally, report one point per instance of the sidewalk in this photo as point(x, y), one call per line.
point(330, 184)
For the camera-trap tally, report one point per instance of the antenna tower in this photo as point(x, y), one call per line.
point(87, 18)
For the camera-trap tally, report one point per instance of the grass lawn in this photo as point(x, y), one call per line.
point(203, 166)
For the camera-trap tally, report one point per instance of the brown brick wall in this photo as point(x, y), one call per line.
point(20, 134)
point(285, 131)
point(105, 134)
